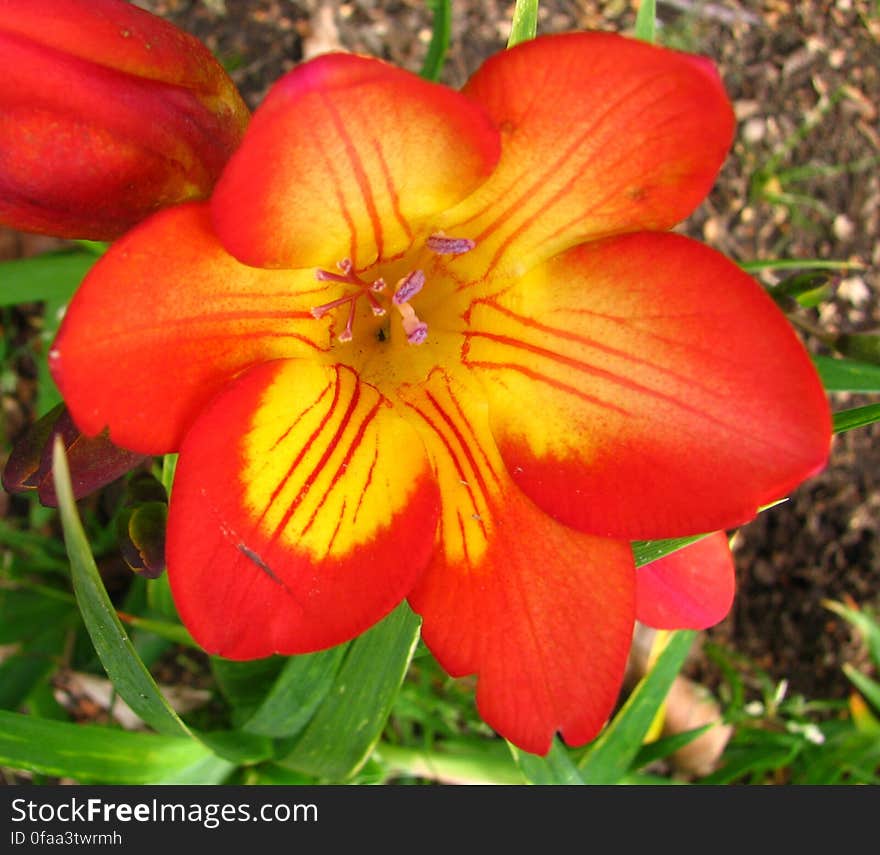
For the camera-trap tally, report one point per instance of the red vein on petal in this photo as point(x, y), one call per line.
point(571, 335)
point(360, 174)
point(300, 417)
point(461, 442)
point(555, 167)
point(309, 482)
point(354, 445)
point(338, 526)
point(367, 482)
point(592, 370)
point(304, 450)
point(459, 469)
point(392, 192)
point(340, 198)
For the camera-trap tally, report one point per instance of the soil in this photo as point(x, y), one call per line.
point(804, 77)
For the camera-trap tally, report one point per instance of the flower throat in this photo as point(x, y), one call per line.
point(405, 289)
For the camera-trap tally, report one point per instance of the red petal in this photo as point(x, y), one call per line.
point(107, 113)
point(643, 386)
point(541, 613)
point(303, 511)
point(164, 320)
point(692, 588)
point(601, 134)
point(345, 158)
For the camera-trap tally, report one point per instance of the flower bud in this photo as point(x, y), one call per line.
point(107, 113)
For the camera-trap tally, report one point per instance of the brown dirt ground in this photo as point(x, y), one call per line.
point(803, 76)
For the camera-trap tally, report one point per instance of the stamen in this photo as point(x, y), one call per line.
point(345, 335)
point(416, 329)
point(443, 245)
point(408, 287)
point(375, 305)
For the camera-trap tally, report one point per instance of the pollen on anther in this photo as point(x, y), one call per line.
point(443, 245)
point(408, 287)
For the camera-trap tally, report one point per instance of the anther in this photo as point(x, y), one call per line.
point(408, 287)
point(443, 245)
point(416, 329)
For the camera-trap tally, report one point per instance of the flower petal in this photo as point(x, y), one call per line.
point(344, 159)
point(666, 394)
point(692, 588)
point(107, 113)
point(164, 320)
point(316, 512)
point(600, 134)
point(541, 613)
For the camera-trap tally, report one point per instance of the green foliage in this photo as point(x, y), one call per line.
point(525, 22)
point(441, 29)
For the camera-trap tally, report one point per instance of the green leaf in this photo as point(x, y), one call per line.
point(22, 671)
point(659, 749)
point(525, 22)
point(51, 277)
point(301, 686)
point(237, 746)
point(556, 768)
point(868, 687)
point(441, 29)
point(112, 644)
point(458, 762)
point(93, 754)
point(847, 375)
point(23, 613)
point(864, 621)
point(646, 21)
point(856, 418)
point(344, 729)
point(646, 551)
point(797, 264)
point(612, 753)
point(864, 347)
point(245, 684)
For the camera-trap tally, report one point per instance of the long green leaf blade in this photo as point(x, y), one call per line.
point(847, 375)
point(53, 277)
point(646, 21)
point(525, 22)
point(348, 724)
point(297, 693)
point(112, 644)
point(441, 30)
point(614, 750)
point(856, 418)
point(93, 754)
point(556, 768)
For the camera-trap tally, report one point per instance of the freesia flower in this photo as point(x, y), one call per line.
point(439, 346)
point(107, 113)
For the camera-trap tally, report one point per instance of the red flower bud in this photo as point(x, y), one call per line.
point(107, 113)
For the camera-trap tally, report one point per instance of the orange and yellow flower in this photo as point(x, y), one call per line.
point(440, 346)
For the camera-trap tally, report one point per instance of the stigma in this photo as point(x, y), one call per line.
point(406, 288)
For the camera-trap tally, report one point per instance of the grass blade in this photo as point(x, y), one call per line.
point(348, 724)
point(646, 21)
point(525, 22)
point(297, 693)
point(847, 375)
point(612, 753)
point(441, 29)
point(856, 418)
point(556, 768)
point(114, 648)
point(51, 277)
point(93, 754)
